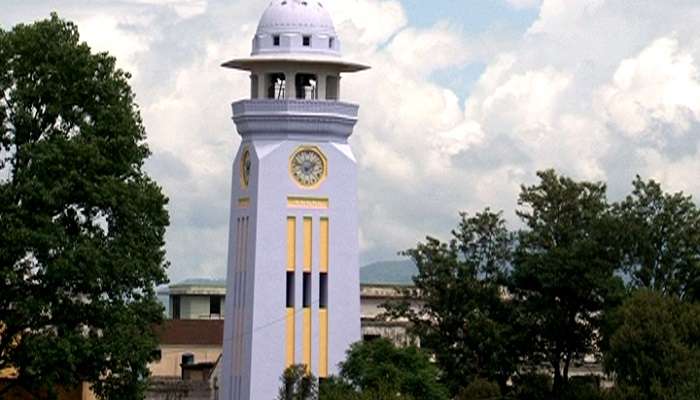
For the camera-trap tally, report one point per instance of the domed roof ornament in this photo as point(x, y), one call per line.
point(296, 31)
point(296, 15)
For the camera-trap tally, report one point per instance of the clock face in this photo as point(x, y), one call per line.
point(245, 168)
point(308, 166)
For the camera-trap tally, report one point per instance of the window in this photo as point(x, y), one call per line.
point(276, 40)
point(369, 337)
point(331, 42)
point(323, 291)
point(307, 290)
point(307, 41)
point(276, 86)
point(187, 359)
point(307, 87)
point(215, 305)
point(176, 307)
point(290, 289)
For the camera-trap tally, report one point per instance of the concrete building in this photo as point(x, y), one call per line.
point(196, 299)
point(293, 242)
point(195, 338)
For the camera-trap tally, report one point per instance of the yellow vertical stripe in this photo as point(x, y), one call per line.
point(323, 262)
point(290, 337)
point(291, 243)
point(323, 344)
point(307, 338)
point(307, 244)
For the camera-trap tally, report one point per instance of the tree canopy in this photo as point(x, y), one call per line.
point(464, 320)
point(563, 276)
point(527, 306)
point(661, 243)
point(655, 348)
point(81, 244)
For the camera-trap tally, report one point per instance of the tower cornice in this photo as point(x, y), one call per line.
point(282, 119)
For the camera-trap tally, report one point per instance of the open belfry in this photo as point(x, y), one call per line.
point(293, 248)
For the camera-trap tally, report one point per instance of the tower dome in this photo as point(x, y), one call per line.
point(296, 27)
point(296, 16)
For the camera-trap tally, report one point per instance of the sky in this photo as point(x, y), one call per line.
point(466, 101)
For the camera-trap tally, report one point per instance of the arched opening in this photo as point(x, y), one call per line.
point(276, 84)
point(307, 86)
point(332, 87)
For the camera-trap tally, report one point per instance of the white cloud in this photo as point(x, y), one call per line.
point(519, 4)
point(660, 85)
point(597, 89)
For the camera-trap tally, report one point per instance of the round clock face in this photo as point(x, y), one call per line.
point(245, 168)
point(308, 166)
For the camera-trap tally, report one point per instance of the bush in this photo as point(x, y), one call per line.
point(480, 389)
point(532, 387)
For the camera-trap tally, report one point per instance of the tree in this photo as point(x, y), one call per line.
point(661, 241)
point(298, 384)
point(464, 319)
point(81, 244)
point(655, 350)
point(480, 389)
point(564, 271)
point(379, 370)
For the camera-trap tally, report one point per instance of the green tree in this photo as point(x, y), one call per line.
point(298, 384)
point(480, 389)
point(564, 271)
point(655, 350)
point(379, 370)
point(661, 241)
point(464, 320)
point(81, 244)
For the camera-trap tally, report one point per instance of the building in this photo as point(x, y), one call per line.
point(198, 339)
point(183, 342)
point(293, 242)
point(196, 299)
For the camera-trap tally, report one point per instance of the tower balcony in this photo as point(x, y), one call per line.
point(290, 119)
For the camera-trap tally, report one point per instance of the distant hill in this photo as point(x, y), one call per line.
point(389, 273)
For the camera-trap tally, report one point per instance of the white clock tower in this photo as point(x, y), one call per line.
point(293, 274)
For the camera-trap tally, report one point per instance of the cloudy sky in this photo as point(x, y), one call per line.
point(466, 100)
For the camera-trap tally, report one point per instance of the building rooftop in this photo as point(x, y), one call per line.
point(201, 332)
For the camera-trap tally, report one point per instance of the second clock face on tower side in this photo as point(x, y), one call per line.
point(245, 168)
point(308, 166)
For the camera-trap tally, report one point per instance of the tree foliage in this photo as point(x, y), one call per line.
point(564, 277)
point(464, 319)
point(380, 366)
point(81, 244)
point(298, 384)
point(564, 273)
point(661, 241)
point(655, 349)
point(379, 370)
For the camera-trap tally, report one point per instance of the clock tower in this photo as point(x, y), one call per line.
point(293, 274)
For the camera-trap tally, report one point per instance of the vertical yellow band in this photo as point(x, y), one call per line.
point(323, 344)
point(323, 262)
point(307, 338)
point(291, 243)
point(307, 244)
point(290, 337)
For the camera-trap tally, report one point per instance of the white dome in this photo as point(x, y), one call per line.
point(296, 32)
point(296, 16)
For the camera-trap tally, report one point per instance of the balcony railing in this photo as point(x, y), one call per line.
point(296, 107)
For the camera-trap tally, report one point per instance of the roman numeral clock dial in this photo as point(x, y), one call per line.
point(308, 166)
